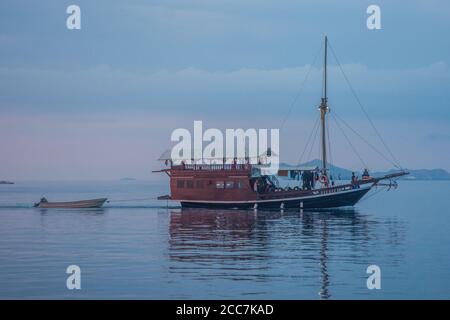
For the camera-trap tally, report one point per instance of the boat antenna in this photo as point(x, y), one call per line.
point(323, 111)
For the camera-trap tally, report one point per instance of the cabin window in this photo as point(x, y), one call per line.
point(239, 184)
point(180, 183)
point(229, 185)
point(199, 184)
point(190, 184)
point(219, 185)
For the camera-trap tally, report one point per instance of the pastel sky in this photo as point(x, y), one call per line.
point(101, 102)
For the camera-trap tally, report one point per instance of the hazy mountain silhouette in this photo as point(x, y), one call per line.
point(418, 174)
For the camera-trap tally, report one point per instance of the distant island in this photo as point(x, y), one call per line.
point(418, 174)
point(6, 182)
point(424, 174)
point(128, 179)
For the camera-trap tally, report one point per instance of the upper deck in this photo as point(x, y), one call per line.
point(210, 170)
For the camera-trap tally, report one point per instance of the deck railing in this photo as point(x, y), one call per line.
point(212, 167)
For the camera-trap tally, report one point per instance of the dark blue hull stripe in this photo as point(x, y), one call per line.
point(323, 201)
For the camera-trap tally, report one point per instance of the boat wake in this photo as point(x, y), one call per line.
point(30, 206)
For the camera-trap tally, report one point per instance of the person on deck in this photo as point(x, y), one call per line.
point(305, 180)
point(366, 175)
point(354, 181)
point(313, 178)
point(255, 186)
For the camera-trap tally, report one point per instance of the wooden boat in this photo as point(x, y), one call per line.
point(231, 187)
point(243, 185)
point(94, 203)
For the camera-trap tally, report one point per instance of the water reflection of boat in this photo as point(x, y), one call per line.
point(260, 246)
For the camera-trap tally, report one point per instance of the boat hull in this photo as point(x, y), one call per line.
point(322, 201)
point(94, 203)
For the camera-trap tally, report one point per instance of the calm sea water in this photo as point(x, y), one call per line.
point(141, 249)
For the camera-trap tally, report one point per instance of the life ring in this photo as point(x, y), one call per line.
point(323, 179)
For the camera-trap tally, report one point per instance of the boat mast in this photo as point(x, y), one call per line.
point(323, 111)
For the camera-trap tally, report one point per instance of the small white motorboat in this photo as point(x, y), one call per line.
point(94, 203)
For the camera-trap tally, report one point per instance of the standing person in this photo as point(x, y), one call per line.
point(366, 175)
point(255, 185)
point(355, 181)
point(305, 180)
point(314, 178)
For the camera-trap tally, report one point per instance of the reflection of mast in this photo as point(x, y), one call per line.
point(324, 293)
point(230, 244)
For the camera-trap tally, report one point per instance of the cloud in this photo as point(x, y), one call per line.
point(110, 146)
point(106, 89)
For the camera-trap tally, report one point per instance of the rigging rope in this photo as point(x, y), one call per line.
point(313, 143)
point(309, 139)
point(373, 194)
point(396, 163)
point(126, 200)
point(367, 142)
point(301, 88)
point(349, 142)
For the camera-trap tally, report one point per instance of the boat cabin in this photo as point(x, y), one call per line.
point(232, 182)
